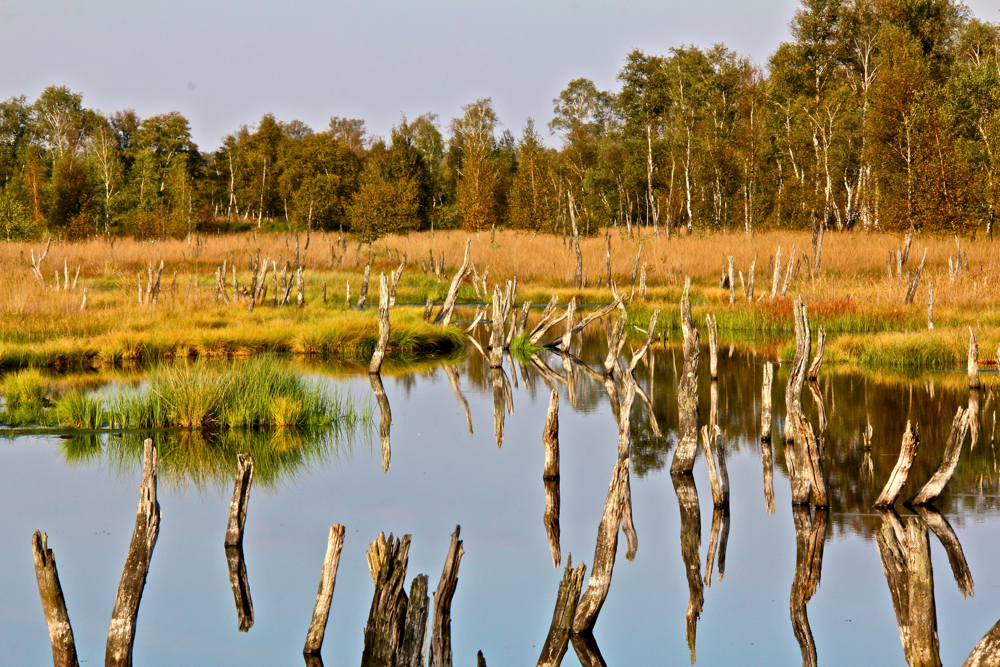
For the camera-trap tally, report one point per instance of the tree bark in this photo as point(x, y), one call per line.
point(387, 616)
point(411, 653)
point(385, 417)
point(897, 478)
point(324, 595)
point(375, 366)
point(561, 627)
point(241, 587)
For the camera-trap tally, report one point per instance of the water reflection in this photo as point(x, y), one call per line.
point(385, 418)
point(810, 538)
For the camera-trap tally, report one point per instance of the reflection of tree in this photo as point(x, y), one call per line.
point(810, 537)
point(687, 500)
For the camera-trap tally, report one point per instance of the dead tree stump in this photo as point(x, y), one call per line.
point(897, 478)
point(687, 391)
point(561, 627)
point(378, 355)
point(387, 616)
point(241, 497)
point(324, 595)
point(440, 650)
point(53, 603)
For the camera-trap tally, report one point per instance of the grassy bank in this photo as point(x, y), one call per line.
point(855, 292)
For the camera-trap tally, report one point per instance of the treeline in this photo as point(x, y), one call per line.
point(876, 114)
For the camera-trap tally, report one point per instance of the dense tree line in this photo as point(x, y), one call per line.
point(876, 114)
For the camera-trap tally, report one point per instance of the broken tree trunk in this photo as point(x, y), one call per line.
point(364, 288)
point(440, 650)
point(788, 273)
point(818, 359)
point(797, 371)
point(444, 315)
point(953, 450)
point(765, 403)
point(561, 627)
point(897, 478)
point(713, 346)
point(616, 340)
point(550, 476)
point(241, 587)
point(986, 652)
point(241, 497)
point(718, 477)
point(497, 334)
point(604, 554)
point(53, 603)
point(777, 274)
point(567, 338)
point(324, 595)
point(973, 360)
point(411, 653)
point(121, 635)
point(396, 275)
point(387, 616)
point(375, 365)
point(687, 391)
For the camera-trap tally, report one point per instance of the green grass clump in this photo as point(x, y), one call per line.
point(257, 393)
point(24, 388)
point(521, 348)
point(75, 409)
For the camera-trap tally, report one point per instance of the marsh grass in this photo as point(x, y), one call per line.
point(75, 409)
point(521, 348)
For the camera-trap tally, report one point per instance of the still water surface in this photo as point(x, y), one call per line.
point(442, 475)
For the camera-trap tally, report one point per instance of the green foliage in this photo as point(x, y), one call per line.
point(76, 409)
point(15, 223)
point(25, 387)
point(521, 348)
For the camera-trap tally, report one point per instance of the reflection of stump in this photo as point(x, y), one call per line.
point(687, 501)
point(241, 498)
point(241, 587)
point(810, 538)
point(550, 474)
point(906, 563)
point(385, 417)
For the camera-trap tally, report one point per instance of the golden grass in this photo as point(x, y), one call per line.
point(42, 325)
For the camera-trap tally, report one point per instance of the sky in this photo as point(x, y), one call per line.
point(225, 63)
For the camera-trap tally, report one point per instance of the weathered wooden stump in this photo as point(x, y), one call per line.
point(324, 595)
point(557, 641)
point(444, 315)
point(687, 391)
point(53, 603)
point(378, 355)
point(241, 498)
point(440, 648)
point(897, 478)
point(949, 461)
point(121, 635)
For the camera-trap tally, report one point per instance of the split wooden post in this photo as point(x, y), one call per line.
point(949, 462)
point(444, 315)
point(897, 478)
point(912, 291)
point(604, 554)
point(411, 653)
point(375, 366)
point(387, 616)
point(713, 346)
point(777, 274)
point(53, 603)
point(687, 391)
point(324, 595)
point(428, 308)
point(732, 282)
point(440, 650)
point(973, 360)
point(396, 275)
point(241, 497)
point(561, 627)
point(497, 334)
point(121, 635)
point(718, 477)
point(616, 340)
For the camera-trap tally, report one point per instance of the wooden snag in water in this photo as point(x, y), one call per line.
point(411, 653)
point(687, 501)
point(949, 540)
point(713, 346)
point(241, 497)
point(717, 476)
point(53, 603)
point(616, 340)
point(121, 635)
point(604, 554)
point(444, 315)
point(767, 459)
point(324, 595)
point(378, 355)
point(797, 371)
point(480, 660)
point(687, 391)
point(765, 402)
point(557, 641)
point(818, 359)
point(385, 417)
point(387, 616)
point(906, 563)
point(949, 461)
point(241, 587)
point(777, 274)
point(567, 339)
point(440, 649)
point(897, 478)
point(550, 477)
point(973, 360)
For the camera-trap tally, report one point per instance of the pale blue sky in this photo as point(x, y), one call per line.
point(226, 62)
